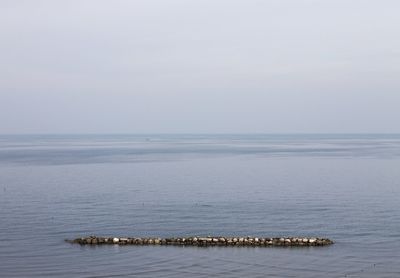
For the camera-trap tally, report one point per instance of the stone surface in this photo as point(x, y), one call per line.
point(207, 241)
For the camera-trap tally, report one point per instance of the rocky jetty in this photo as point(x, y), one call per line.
point(206, 241)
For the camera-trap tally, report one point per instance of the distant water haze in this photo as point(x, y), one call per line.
point(199, 66)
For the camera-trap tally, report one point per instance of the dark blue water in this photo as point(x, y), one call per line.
point(345, 187)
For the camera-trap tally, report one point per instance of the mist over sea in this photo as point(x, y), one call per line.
point(342, 186)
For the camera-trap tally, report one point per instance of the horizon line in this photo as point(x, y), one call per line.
point(204, 133)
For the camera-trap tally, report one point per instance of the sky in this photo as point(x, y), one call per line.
point(199, 66)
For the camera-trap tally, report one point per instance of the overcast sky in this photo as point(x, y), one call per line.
point(199, 66)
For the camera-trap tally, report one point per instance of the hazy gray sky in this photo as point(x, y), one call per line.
point(93, 66)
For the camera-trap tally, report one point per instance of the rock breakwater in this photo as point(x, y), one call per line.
point(205, 241)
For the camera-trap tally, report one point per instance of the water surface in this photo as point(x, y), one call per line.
point(345, 187)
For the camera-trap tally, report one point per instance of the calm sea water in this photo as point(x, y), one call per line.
point(345, 187)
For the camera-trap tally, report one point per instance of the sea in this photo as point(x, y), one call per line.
point(345, 187)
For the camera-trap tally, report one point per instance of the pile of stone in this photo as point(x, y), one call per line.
point(206, 241)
